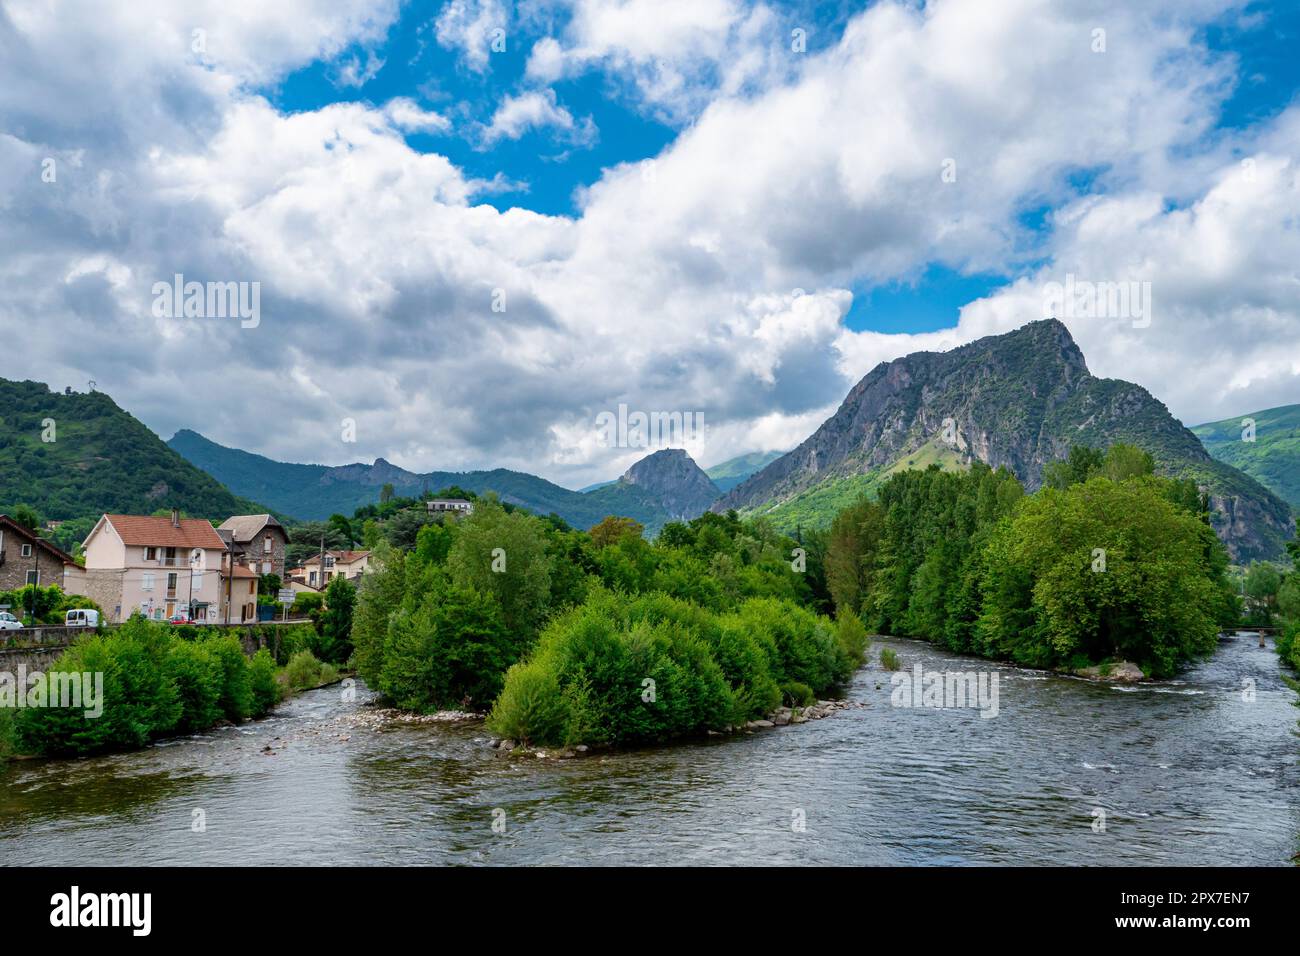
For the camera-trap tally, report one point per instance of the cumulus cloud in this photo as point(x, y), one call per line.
point(535, 110)
point(709, 279)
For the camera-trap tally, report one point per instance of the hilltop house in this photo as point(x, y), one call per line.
point(346, 564)
point(257, 542)
point(158, 566)
point(454, 506)
point(26, 558)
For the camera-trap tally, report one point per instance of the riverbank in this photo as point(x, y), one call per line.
point(1187, 772)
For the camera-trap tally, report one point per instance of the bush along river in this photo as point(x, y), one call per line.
point(1198, 770)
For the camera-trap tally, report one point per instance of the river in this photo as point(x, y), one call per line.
point(1186, 771)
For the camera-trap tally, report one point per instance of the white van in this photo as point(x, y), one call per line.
point(81, 617)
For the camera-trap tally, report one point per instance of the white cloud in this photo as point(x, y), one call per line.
point(674, 287)
point(535, 110)
point(407, 115)
point(471, 27)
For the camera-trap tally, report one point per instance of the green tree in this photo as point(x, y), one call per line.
point(335, 623)
point(504, 555)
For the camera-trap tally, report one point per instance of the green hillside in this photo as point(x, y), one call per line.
point(1272, 459)
point(314, 492)
point(818, 506)
point(101, 460)
point(726, 475)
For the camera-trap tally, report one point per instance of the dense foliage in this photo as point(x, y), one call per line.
point(155, 682)
point(440, 625)
point(36, 605)
point(93, 458)
point(1107, 562)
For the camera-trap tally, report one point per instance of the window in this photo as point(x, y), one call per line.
point(151, 554)
point(266, 545)
point(146, 581)
point(27, 551)
point(311, 578)
point(252, 587)
point(197, 579)
point(34, 577)
point(171, 582)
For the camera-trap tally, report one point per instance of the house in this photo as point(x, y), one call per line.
point(257, 542)
point(26, 558)
point(346, 564)
point(239, 595)
point(156, 566)
point(457, 507)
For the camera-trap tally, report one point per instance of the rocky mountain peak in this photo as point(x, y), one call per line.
point(673, 478)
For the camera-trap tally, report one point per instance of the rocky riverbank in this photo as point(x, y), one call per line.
point(1120, 672)
point(781, 717)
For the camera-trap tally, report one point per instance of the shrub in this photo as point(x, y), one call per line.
point(199, 677)
point(889, 659)
point(532, 707)
point(140, 700)
point(236, 698)
point(8, 736)
point(795, 694)
point(453, 650)
point(304, 671)
point(851, 636)
point(262, 683)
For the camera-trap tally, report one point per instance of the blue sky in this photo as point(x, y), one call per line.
point(725, 207)
point(547, 176)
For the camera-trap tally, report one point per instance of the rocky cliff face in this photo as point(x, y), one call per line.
point(1017, 400)
point(675, 481)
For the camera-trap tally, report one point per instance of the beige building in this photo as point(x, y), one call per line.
point(160, 567)
point(346, 564)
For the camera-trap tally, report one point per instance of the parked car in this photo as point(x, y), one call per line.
point(8, 622)
point(81, 617)
point(181, 619)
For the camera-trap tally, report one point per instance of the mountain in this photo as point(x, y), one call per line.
point(675, 482)
point(99, 459)
point(726, 475)
point(1273, 456)
point(314, 492)
point(1017, 400)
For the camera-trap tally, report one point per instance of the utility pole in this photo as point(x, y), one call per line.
point(322, 563)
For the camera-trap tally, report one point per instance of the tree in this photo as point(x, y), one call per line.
point(504, 555)
point(1102, 570)
point(27, 517)
point(613, 529)
point(386, 493)
point(334, 626)
point(1263, 581)
point(1078, 466)
point(1124, 461)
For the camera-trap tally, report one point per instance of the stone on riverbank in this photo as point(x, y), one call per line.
point(1122, 672)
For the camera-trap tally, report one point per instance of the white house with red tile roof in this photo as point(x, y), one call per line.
point(158, 566)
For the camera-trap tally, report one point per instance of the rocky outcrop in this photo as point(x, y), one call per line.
point(673, 479)
point(1019, 401)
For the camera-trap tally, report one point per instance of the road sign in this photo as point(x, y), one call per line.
point(288, 595)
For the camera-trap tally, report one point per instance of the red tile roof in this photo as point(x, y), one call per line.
point(14, 527)
point(161, 533)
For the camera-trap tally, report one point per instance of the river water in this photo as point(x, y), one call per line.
point(1187, 771)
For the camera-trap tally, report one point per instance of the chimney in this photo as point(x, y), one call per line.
point(176, 518)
